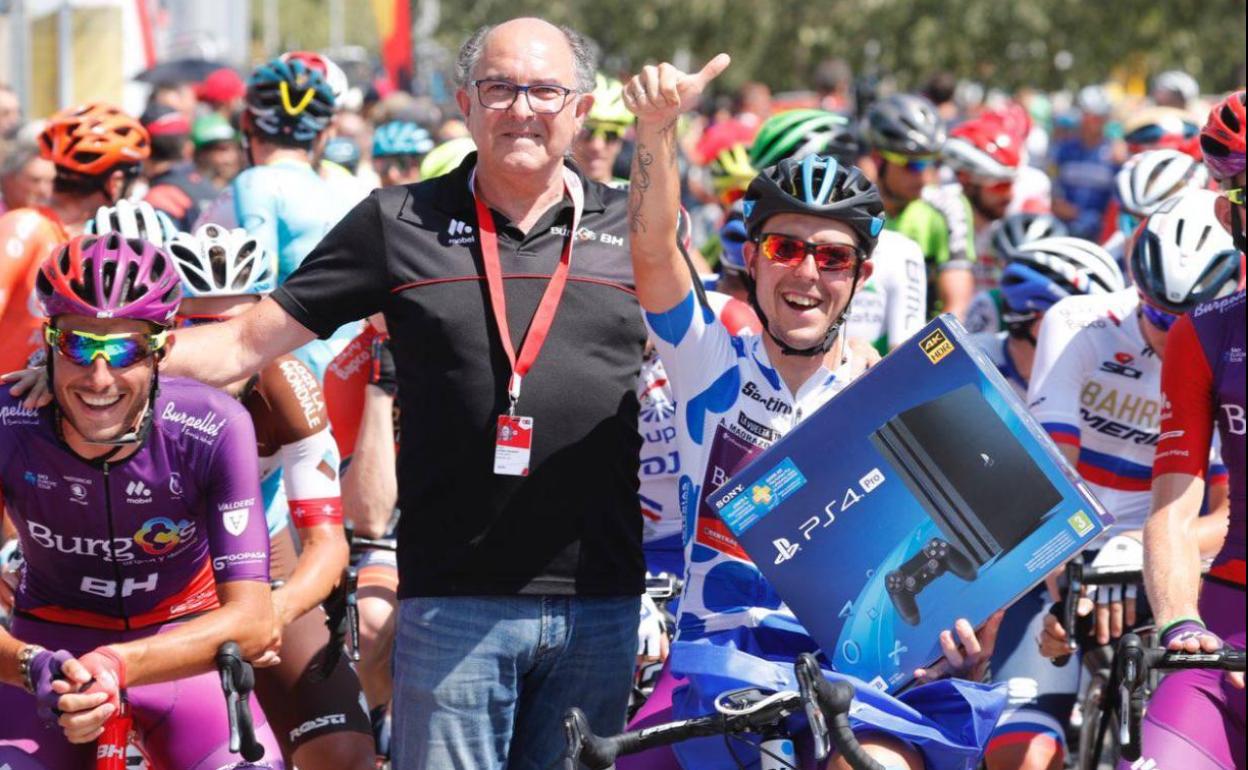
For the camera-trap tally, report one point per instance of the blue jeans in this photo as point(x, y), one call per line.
point(482, 683)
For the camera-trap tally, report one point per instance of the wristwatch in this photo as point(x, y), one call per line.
point(24, 658)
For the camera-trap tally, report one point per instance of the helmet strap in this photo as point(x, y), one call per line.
point(1018, 326)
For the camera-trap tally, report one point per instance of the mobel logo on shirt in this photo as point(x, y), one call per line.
point(459, 233)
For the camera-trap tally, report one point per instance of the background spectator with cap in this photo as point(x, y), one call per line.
point(25, 176)
point(222, 92)
point(216, 154)
point(1085, 167)
point(175, 186)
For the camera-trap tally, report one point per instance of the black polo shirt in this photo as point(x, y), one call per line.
point(573, 525)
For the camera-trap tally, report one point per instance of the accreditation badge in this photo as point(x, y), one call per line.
point(512, 445)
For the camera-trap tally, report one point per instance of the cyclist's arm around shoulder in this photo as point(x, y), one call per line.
point(309, 458)
point(219, 354)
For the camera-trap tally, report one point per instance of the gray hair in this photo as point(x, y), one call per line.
point(584, 58)
point(15, 155)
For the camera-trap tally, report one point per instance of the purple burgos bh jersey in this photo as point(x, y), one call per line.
point(144, 540)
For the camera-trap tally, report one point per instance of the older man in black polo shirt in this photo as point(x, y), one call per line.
point(507, 289)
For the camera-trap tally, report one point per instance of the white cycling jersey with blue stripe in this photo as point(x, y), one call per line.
point(731, 405)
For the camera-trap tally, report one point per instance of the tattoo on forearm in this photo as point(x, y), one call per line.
point(669, 142)
point(638, 186)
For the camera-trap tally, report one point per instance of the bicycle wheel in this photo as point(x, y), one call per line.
point(1096, 743)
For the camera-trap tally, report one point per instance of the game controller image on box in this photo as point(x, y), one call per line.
point(922, 493)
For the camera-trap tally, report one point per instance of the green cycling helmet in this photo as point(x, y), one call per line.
point(798, 133)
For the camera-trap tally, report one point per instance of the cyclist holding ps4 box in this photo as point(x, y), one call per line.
point(811, 226)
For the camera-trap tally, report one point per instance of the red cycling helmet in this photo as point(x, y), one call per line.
point(1016, 121)
point(1222, 138)
point(984, 147)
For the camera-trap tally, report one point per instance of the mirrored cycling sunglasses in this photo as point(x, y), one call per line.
point(790, 252)
point(1159, 318)
point(118, 350)
point(1235, 195)
point(198, 320)
point(605, 132)
point(915, 163)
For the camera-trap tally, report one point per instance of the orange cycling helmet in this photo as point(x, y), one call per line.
point(94, 139)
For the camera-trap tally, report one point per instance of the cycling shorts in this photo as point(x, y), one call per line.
point(182, 723)
point(1195, 719)
point(301, 704)
point(378, 568)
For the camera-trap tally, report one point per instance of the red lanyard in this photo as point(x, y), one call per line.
point(545, 315)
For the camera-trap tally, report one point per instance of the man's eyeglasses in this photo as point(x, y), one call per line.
point(542, 98)
point(915, 163)
point(118, 350)
point(607, 133)
point(1235, 195)
point(791, 252)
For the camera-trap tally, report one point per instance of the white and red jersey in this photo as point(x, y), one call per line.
point(1096, 386)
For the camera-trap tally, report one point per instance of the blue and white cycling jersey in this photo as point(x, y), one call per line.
point(732, 628)
point(731, 406)
point(288, 208)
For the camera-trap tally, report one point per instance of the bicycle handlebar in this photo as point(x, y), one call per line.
point(342, 617)
point(238, 679)
point(1079, 575)
point(1132, 665)
point(825, 703)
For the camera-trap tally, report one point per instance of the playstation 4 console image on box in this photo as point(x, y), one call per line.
point(922, 493)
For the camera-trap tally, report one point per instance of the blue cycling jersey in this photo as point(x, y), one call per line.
point(288, 208)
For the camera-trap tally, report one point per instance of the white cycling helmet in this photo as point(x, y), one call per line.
point(1183, 256)
point(133, 221)
point(1043, 271)
point(1178, 82)
point(216, 262)
point(1147, 180)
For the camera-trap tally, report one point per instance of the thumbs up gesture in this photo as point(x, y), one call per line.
point(659, 94)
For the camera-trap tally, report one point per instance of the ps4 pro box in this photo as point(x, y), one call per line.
point(922, 493)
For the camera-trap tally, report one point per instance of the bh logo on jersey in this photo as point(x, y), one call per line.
point(161, 535)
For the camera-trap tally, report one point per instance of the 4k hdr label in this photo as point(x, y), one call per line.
point(936, 346)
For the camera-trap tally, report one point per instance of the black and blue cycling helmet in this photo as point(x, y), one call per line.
point(818, 186)
point(821, 187)
point(288, 101)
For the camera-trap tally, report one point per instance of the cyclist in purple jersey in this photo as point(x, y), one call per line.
point(1196, 718)
point(138, 511)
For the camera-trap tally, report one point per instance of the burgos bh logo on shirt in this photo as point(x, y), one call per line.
point(161, 535)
